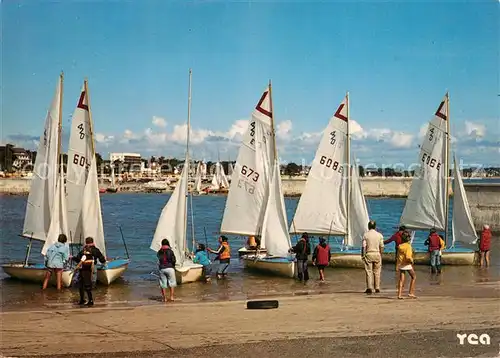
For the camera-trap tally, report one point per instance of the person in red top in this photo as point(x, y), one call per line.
point(321, 258)
point(397, 238)
point(485, 246)
point(434, 243)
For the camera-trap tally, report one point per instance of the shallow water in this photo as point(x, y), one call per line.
point(137, 215)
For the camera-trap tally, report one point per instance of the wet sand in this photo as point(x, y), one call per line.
point(348, 324)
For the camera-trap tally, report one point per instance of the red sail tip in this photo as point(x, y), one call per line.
point(441, 111)
point(81, 101)
point(339, 114)
point(259, 105)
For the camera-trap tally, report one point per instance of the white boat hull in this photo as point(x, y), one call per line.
point(113, 270)
point(35, 273)
point(279, 268)
point(188, 273)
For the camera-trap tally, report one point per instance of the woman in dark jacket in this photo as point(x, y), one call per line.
point(302, 251)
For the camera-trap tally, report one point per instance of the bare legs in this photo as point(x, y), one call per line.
point(48, 273)
point(401, 283)
point(484, 256)
point(321, 274)
point(164, 294)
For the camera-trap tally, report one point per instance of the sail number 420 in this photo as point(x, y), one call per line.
point(249, 173)
point(427, 159)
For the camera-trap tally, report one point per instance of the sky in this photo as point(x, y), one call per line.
point(396, 59)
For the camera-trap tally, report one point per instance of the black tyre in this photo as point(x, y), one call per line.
point(262, 305)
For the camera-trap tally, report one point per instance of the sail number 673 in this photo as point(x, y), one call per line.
point(249, 173)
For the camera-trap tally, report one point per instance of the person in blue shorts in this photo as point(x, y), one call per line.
point(166, 265)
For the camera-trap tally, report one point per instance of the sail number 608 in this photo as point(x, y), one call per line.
point(427, 159)
point(249, 173)
point(329, 163)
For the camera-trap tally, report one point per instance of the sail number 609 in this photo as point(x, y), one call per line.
point(427, 159)
point(249, 173)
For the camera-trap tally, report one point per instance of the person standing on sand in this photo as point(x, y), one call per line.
point(321, 257)
point(485, 246)
point(404, 264)
point(223, 255)
point(166, 265)
point(86, 260)
point(371, 253)
point(55, 259)
point(302, 251)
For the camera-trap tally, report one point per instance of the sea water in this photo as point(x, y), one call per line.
point(137, 216)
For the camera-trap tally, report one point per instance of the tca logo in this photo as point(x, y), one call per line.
point(474, 339)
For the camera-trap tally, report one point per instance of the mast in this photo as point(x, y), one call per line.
point(91, 125)
point(447, 169)
point(272, 122)
point(348, 149)
point(61, 80)
point(187, 163)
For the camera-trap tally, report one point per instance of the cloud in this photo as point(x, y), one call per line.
point(474, 129)
point(159, 122)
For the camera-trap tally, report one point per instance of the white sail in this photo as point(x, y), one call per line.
point(462, 224)
point(215, 181)
point(113, 176)
point(275, 237)
point(425, 206)
point(204, 171)
point(171, 224)
point(80, 155)
point(222, 177)
point(59, 217)
point(248, 192)
point(197, 182)
point(322, 207)
point(91, 216)
point(44, 180)
point(358, 213)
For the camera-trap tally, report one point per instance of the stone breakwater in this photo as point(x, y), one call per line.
point(484, 198)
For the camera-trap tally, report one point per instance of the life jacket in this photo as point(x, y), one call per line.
point(226, 254)
point(434, 242)
point(485, 243)
point(251, 241)
point(89, 258)
point(322, 255)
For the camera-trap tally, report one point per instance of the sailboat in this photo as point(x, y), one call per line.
point(219, 179)
point(427, 205)
point(83, 201)
point(333, 203)
point(198, 180)
point(112, 188)
point(255, 204)
point(172, 224)
point(45, 216)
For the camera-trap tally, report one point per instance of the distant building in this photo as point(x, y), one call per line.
point(130, 162)
point(21, 159)
point(6, 157)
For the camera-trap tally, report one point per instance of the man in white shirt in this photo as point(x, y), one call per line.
point(371, 252)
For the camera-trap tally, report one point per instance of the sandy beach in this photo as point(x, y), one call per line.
point(343, 324)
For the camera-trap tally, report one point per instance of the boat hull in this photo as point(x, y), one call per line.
point(107, 274)
point(275, 266)
point(244, 251)
point(35, 273)
point(188, 273)
point(352, 258)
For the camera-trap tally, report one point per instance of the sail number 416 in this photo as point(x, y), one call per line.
point(427, 159)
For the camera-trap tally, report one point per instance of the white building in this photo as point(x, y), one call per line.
point(131, 159)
